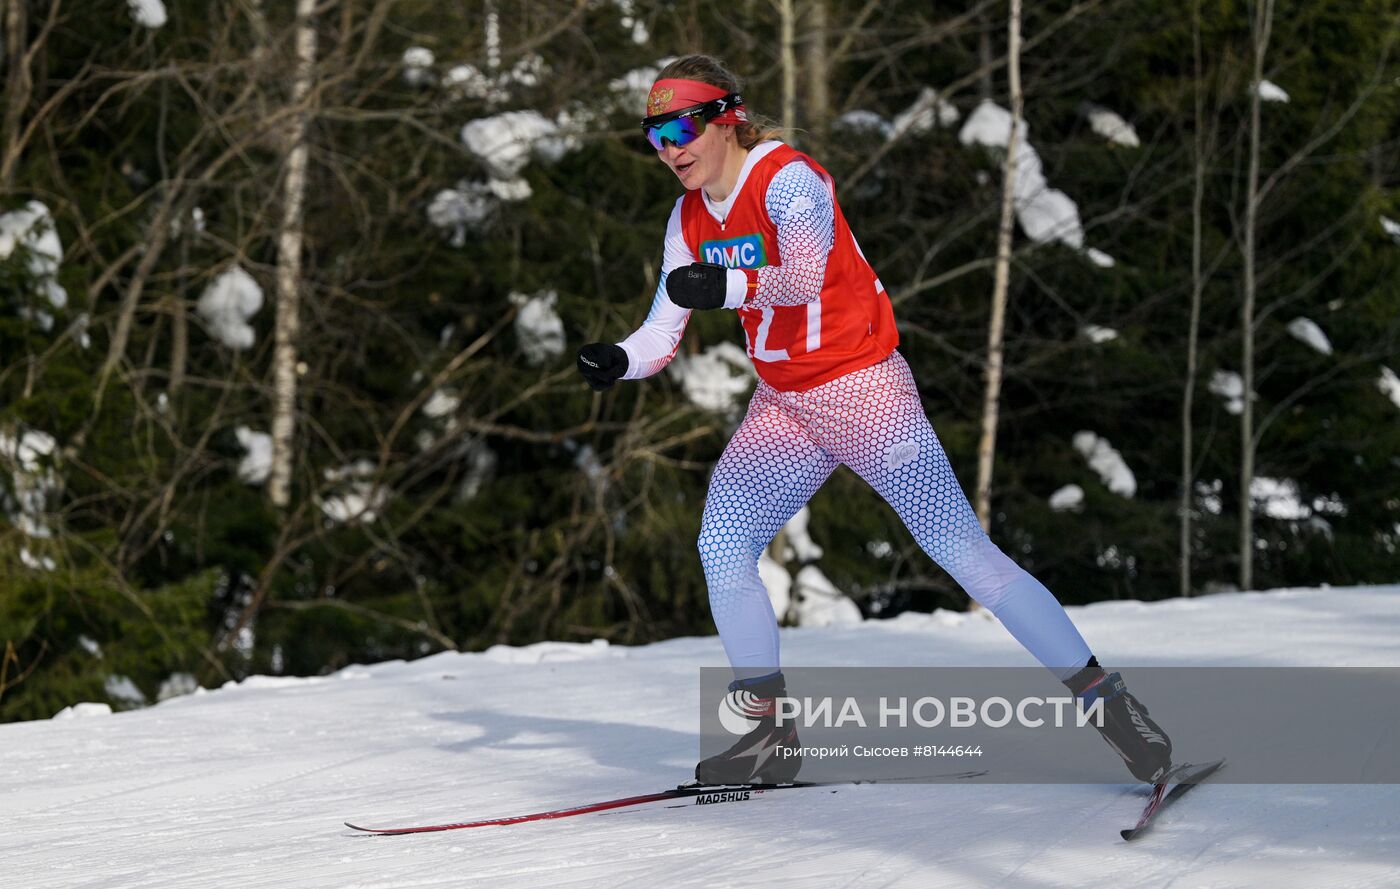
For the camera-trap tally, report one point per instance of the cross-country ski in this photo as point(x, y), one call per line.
point(1182, 779)
point(685, 794)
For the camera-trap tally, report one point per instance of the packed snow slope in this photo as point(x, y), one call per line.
point(247, 786)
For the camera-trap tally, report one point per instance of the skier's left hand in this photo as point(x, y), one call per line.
point(700, 285)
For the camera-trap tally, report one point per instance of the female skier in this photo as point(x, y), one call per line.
point(758, 232)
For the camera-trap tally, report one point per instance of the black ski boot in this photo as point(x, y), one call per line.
point(1127, 728)
point(769, 753)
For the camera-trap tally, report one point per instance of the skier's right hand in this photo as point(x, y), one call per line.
point(602, 364)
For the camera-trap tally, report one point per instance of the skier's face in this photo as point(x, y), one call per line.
point(701, 161)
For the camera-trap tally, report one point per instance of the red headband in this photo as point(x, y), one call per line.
point(673, 94)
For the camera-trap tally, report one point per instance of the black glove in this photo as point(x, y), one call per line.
point(602, 364)
point(700, 285)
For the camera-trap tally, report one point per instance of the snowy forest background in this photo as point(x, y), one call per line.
point(450, 197)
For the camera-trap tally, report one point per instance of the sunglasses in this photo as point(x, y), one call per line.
point(680, 128)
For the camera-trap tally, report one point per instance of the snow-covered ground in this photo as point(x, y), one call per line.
point(247, 786)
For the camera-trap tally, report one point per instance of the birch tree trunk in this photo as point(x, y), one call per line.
point(1262, 24)
point(179, 327)
point(18, 85)
point(818, 66)
point(1193, 333)
point(788, 57)
point(289, 263)
point(986, 447)
point(984, 57)
point(257, 22)
point(493, 38)
point(18, 51)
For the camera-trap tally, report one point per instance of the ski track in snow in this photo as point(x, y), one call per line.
point(247, 786)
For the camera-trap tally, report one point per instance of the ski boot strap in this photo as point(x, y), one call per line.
point(1106, 687)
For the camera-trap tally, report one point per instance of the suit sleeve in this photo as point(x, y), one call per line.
point(652, 346)
point(801, 204)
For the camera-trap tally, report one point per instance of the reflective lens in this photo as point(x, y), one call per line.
point(679, 132)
